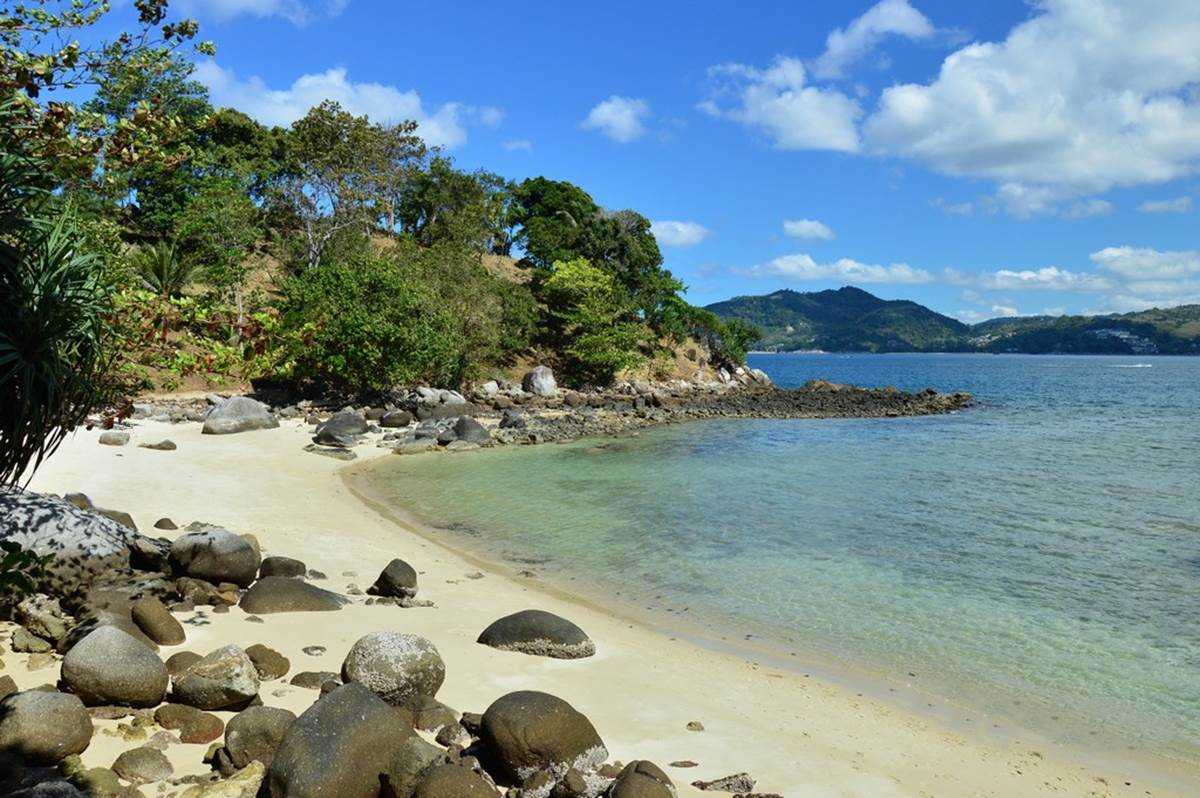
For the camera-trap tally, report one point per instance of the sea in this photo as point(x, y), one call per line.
point(1031, 563)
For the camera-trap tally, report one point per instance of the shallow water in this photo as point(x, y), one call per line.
point(1036, 557)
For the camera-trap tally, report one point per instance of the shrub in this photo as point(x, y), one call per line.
point(591, 319)
point(362, 325)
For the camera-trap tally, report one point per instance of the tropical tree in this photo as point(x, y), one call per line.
point(161, 270)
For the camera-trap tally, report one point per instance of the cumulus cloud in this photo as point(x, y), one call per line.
point(802, 267)
point(844, 46)
point(678, 234)
point(1178, 205)
point(1148, 264)
point(1084, 96)
point(622, 119)
point(807, 228)
point(445, 125)
point(779, 102)
point(1050, 278)
point(300, 12)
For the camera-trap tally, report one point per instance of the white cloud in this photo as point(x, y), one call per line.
point(678, 234)
point(1005, 310)
point(1179, 205)
point(801, 267)
point(807, 228)
point(1050, 278)
point(1085, 96)
point(887, 18)
point(1088, 209)
point(776, 100)
point(513, 145)
point(444, 126)
point(300, 12)
point(619, 118)
point(1148, 264)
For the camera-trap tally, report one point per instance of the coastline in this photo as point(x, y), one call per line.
point(796, 735)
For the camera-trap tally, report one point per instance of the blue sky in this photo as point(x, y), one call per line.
point(983, 158)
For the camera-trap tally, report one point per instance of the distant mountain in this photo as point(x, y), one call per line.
point(852, 320)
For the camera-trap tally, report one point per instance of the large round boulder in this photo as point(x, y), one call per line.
point(398, 579)
point(238, 414)
point(109, 666)
point(540, 633)
point(540, 382)
point(252, 734)
point(44, 727)
point(527, 732)
point(84, 549)
point(215, 555)
point(346, 744)
point(143, 765)
point(642, 779)
point(284, 594)
point(453, 781)
point(395, 666)
point(224, 679)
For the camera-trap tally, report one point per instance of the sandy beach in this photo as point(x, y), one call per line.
point(796, 736)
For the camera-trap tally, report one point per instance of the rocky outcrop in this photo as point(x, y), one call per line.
point(44, 727)
point(238, 414)
point(539, 633)
point(109, 666)
point(528, 732)
point(395, 666)
point(284, 594)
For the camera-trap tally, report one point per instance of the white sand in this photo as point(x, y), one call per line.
point(797, 736)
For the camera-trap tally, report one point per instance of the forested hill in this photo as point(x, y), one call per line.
point(852, 320)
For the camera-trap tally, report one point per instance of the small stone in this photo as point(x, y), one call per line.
point(695, 726)
point(160, 446)
point(269, 662)
point(26, 642)
point(165, 523)
point(143, 765)
point(281, 566)
point(314, 651)
point(312, 680)
point(739, 782)
point(114, 438)
point(194, 726)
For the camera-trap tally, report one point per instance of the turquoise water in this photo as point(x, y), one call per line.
point(1036, 557)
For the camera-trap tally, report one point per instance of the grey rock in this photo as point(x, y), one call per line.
point(394, 419)
point(345, 744)
point(539, 633)
point(642, 779)
point(255, 733)
point(395, 666)
point(114, 438)
point(281, 566)
point(540, 382)
point(512, 419)
point(238, 414)
point(284, 594)
point(143, 765)
point(469, 430)
point(738, 783)
point(44, 617)
point(109, 666)
point(27, 642)
point(44, 727)
point(153, 618)
point(194, 726)
point(160, 446)
point(224, 679)
point(312, 680)
point(165, 523)
point(398, 579)
point(453, 781)
point(269, 662)
point(343, 429)
point(333, 452)
point(215, 555)
point(528, 731)
point(414, 757)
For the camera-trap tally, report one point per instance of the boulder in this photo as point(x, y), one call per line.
point(224, 679)
point(114, 438)
point(194, 726)
point(342, 429)
point(180, 661)
point(165, 524)
point(642, 779)
point(453, 781)
point(44, 727)
point(346, 744)
point(313, 680)
point(527, 732)
point(238, 414)
point(120, 516)
point(93, 617)
point(398, 580)
point(7, 686)
point(44, 617)
point(539, 633)
point(414, 757)
point(395, 666)
point(150, 554)
point(160, 446)
point(469, 430)
point(254, 734)
point(512, 419)
point(269, 662)
point(143, 765)
point(24, 641)
point(394, 419)
point(281, 566)
point(153, 618)
point(109, 666)
point(540, 382)
point(215, 555)
point(84, 549)
point(283, 594)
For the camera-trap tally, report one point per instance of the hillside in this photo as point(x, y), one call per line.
point(852, 320)
point(848, 319)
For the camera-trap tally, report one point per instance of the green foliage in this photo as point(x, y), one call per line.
point(590, 312)
point(217, 232)
point(363, 326)
point(54, 358)
point(161, 270)
point(19, 569)
point(727, 340)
